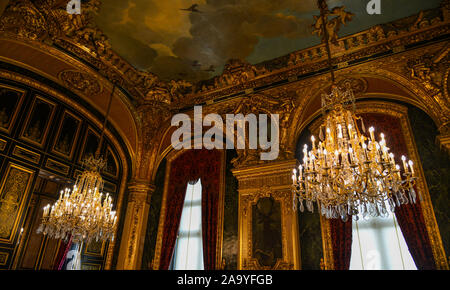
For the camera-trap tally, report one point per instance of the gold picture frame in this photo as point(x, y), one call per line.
point(70, 143)
point(35, 130)
point(88, 131)
point(109, 151)
point(16, 109)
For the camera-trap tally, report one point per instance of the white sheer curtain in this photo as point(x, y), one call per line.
point(378, 244)
point(188, 253)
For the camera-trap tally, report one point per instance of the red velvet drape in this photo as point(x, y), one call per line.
point(192, 165)
point(62, 254)
point(341, 238)
point(409, 216)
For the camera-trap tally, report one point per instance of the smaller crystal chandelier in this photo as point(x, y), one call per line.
point(82, 213)
point(347, 173)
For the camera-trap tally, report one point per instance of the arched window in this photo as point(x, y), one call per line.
point(378, 244)
point(188, 253)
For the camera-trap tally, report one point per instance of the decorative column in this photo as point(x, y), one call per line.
point(443, 139)
point(133, 235)
point(268, 225)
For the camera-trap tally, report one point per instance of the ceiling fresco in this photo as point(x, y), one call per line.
point(193, 39)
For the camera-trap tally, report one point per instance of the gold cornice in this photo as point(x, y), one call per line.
point(269, 168)
point(311, 63)
point(386, 69)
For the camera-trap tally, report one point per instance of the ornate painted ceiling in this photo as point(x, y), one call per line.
point(193, 39)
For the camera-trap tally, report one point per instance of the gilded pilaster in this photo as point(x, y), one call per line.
point(135, 224)
point(443, 140)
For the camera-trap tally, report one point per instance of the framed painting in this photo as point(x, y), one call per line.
point(111, 168)
point(67, 135)
point(38, 121)
point(90, 143)
point(11, 102)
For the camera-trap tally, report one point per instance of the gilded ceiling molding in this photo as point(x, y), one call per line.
point(47, 23)
point(421, 72)
point(80, 36)
point(80, 81)
point(394, 69)
point(378, 39)
point(82, 78)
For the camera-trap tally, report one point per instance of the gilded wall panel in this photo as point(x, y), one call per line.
point(265, 208)
point(3, 144)
point(26, 154)
point(3, 258)
point(95, 248)
point(14, 191)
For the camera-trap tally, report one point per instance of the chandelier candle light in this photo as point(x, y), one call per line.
point(83, 213)
point(347, 173)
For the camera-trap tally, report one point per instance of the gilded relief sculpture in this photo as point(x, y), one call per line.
point(13, 191)
point(286, 85)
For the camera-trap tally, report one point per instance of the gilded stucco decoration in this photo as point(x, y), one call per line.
point(431, 71)
point(284, 86)
point(80, 81)
point(282, 104)
point(12, 194)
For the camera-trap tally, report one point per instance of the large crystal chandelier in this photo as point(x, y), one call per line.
point(347, 173)
point(83, 213)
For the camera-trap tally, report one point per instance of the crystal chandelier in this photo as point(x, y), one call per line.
point(83, 213)
point(347, 173)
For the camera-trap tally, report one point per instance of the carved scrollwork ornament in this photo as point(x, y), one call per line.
point(80, 81)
